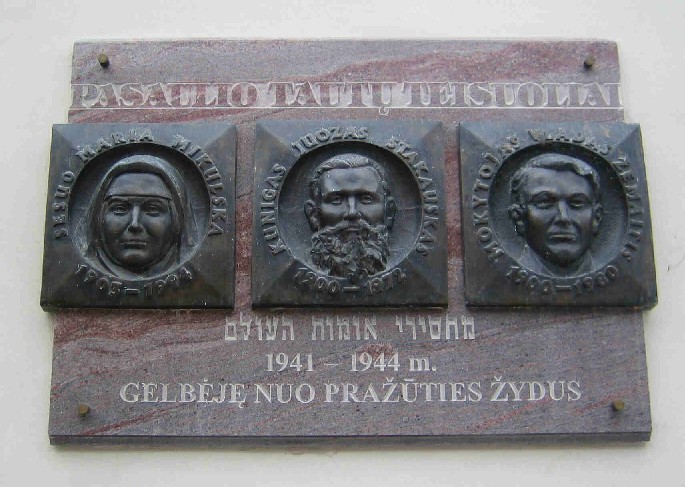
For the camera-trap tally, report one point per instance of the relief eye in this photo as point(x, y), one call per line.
point(543, 203)
point(578, 203)
point(119, 209)
point(366, 199)
point(154, 210)
point(335, 200)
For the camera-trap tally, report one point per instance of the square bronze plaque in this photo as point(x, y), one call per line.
point(140, 216)
point(555, 214)
point(349, 213)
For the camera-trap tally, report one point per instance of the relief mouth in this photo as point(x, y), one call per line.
point(561, 237)
point(134, 244)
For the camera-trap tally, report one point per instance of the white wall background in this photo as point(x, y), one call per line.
point(35, 50)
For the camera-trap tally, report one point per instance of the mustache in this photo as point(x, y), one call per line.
point(345, 225)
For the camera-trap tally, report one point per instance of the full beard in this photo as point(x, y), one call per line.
point(353, 254)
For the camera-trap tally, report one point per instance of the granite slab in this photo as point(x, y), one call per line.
point(340, 374)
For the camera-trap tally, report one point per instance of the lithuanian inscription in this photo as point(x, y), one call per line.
point(392, 391)
point(329, 210)
point(347, 94)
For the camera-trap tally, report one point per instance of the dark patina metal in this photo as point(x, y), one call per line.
point(349, 213)
point(556, 214)
point(140, 216)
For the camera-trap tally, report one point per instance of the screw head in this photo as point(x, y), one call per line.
point(618, 405)
point(589, 62)
point(103, 59)
point(83, 410)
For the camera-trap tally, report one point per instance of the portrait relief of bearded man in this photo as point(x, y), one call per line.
point(351, 212)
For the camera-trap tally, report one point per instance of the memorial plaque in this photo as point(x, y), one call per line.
point(328, 371)
point(558, 214)
point(349, 213)
point(140, 216)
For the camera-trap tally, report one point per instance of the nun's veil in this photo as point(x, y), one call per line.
point(89, 234)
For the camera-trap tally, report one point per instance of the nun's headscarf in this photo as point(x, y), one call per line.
point(184, 228)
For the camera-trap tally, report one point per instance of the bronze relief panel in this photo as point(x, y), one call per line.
point(555, 214)
point(349, 213)
point(140, 216)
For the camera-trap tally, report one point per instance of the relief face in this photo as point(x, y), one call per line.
point(137, 214)
point(348, 214)
point(140, 218)
point(555, 214)
point(555, 206)
point(351, 211)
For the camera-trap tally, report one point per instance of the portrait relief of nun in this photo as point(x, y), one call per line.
point(139, 222)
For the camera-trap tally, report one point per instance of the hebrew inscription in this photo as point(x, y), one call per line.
point(350, 213)
point(559, 211)
point(133, 210)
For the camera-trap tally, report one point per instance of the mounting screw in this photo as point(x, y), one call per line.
point(103, 60)
point(83, 410)
point(589, 62)
point(618, 405)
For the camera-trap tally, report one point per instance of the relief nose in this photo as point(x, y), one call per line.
point(562, 215)
point(352, 212)
point(134, 225)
